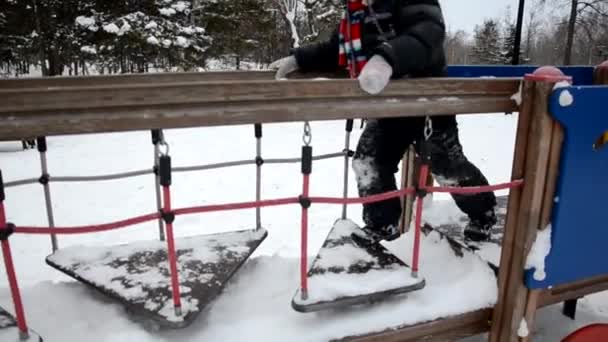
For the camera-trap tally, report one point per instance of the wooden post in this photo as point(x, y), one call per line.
point(535, 156)
point(407, 180)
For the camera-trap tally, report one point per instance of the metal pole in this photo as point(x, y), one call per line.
point(44, 180)
point(155, 141)
point(518, 29)
point(349, 129)
point(258, 174)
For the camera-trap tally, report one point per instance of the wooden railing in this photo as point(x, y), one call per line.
point(55, 106)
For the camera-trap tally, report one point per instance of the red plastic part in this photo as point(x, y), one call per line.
point(591, 333)
point(604, 64)
point(548, 73)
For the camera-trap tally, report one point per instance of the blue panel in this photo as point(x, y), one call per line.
point(581, 75)
point(579, 240)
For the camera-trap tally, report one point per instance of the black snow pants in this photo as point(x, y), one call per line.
point(382, 146)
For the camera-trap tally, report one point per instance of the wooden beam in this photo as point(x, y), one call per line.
point(446, 329)
point(514, 199)
point(513, 300)
point(161, 77)
point(107, 108)
point(574, 290)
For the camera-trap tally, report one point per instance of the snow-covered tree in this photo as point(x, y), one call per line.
point(487, 44)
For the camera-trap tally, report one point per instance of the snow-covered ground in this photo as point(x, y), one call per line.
point(256, 305)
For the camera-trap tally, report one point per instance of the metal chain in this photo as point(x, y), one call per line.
point(307, 136)
point(428, 128)
point(163, 144)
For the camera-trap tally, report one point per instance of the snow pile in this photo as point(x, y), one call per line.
point(517, 97)
point(88, 49)
point(87, 22)
point(167, 11)
point(539, 251)
point(151, 25)
point(111, 28)
point(334, 278)
point(181, 41)
point(523, 331)
point(152, 40)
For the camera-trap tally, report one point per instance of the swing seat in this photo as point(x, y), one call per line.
point(137, 274)
point(345, 273)
point(9, 330)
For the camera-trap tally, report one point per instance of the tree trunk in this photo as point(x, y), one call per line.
point(570, 36)
point(42, 48)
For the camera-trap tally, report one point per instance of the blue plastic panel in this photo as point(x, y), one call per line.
point(581, 75)
point(579, 239)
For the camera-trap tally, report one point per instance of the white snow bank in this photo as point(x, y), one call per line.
point(540, 249)
point(88, 49)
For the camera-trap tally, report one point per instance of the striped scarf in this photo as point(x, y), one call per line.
point(350, 37)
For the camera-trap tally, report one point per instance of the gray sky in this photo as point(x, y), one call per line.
point(465, 14)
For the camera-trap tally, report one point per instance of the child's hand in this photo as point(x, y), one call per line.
point(375, 75)
point(285, 66)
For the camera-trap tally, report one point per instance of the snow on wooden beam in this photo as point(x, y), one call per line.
point(126, 105)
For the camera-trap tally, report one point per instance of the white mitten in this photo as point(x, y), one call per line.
point(285, 66)
point(375, 75)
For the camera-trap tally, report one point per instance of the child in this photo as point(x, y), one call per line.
point(376, 41)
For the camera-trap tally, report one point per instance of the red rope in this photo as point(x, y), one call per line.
point(469, 190)
point(260, 204)
point(235, 206)
point(88, 229)
point(304, 238)
point(12, 276)
point(171, 251)
point(363, 200)
point(424, 172)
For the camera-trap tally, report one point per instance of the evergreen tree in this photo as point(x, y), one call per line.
point(487, 44)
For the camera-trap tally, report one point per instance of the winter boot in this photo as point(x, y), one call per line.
point(369, 235)
point(478, 229)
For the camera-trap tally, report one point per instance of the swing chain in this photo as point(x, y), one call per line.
point(428, 128)
point(164, 146)
point(307, 136)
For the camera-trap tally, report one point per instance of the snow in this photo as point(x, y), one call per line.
point(111, 28)
point(167, 11)
point(517, 97)
point(89, 49)
point(151, 25)
point(364, 170)
point(540, 249)
point(182, 41)
point(180, 6)
point(565, 98)
point(522, 331)
point(254, 303)
point(152, 40)
point(85, 21)
point(449, 98)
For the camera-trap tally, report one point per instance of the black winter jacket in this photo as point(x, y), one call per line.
point(412, 37)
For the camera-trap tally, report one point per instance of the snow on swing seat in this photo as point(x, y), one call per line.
point(9, 330)
point(344, 273)
point(137, 274)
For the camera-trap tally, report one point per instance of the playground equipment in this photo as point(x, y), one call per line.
point(548, 184)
